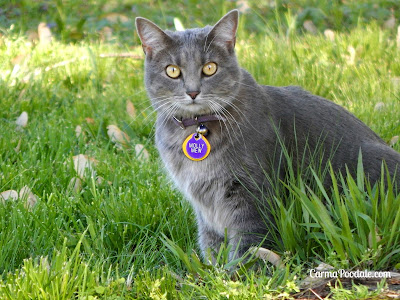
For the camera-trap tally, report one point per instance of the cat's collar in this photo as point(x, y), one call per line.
point(183, 123)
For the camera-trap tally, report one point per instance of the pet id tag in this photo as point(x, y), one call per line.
point(196, 147)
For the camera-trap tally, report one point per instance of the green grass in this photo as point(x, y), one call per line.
point(110, 240)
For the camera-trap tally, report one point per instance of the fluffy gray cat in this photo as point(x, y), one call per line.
point(219, 132)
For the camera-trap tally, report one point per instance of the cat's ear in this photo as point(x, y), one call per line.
point(224, 32)
point(153, 38)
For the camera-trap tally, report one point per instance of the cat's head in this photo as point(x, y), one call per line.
point(192, 72)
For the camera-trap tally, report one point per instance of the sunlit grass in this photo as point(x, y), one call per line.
point(106, 240)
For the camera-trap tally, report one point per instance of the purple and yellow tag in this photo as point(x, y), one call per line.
point(196, 147)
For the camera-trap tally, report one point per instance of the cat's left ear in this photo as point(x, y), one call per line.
point(224, 32)
point(153, 38)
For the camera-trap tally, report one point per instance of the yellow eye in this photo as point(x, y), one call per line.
point(210, 68)
point(173, 71)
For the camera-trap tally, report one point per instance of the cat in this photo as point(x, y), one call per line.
point(218, 131)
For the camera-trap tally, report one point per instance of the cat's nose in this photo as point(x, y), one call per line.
point(193, 95)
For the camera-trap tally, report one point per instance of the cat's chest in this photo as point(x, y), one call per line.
point(191, 176)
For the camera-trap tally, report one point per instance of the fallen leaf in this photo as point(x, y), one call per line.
point(267, 256)
point(117, 136)
point(243, 6)
point(44, 33)
point(178, 25)
point(398, 37)
point(141, 153)
point(329, 34)
point(78, 131)
point(19, 59)
point(310, 27)
point(379, 106)
point(100, 180)
point(22, 120)
point(89, 120)
point(130, 109)
point(352, 57)
point(84, 165)
point(26, 194)
point(75, 184)
point(115, 17)
point(8, 195)
point(17, 149)
point(394, 140)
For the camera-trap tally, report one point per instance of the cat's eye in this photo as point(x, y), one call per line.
point(210, 68)
point(173, 71)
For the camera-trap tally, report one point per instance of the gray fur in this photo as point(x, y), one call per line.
point(246, 143)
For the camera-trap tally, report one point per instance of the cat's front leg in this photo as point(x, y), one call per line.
point(209, 240)
point(241, 241)
point(247, 229)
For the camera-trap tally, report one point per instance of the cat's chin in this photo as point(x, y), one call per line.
point(193, 109)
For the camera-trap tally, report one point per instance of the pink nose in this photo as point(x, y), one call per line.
point(193, 95)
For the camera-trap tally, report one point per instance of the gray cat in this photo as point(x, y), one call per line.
point(218, 131)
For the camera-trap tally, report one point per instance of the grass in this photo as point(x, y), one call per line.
point(132, 235)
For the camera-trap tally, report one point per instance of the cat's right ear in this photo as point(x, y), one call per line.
point(153, 38)
point(224, 32)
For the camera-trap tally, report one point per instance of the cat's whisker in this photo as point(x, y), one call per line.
point(228, 125)
point(233, 120)
point(144, 110)
point(158, 110)
point(227, 112)
point(164, 116)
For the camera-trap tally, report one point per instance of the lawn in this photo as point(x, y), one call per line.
point(97, 217)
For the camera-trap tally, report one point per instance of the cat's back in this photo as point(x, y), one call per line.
point(292, 106)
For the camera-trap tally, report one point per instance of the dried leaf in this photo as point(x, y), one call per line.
point(17, 149)
point(130, 109)
point(22, 120)
point(75, 184)
point(178, 25)
point(100, 180)
point(19, 59)
point(329, 34)
point(115, 17)
point(310, 27)
point(141, 153)
point(398, 37)
point(243, 6)
point(394, 140)
point(352, 57)
point(268, 256)
point(8, 195)
point(78, 131)
point(44, 33)
point(84, 165)
point(26, 194)
point(379, 106)
point(377, 238)
point(117, 136)
point(89, 120)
